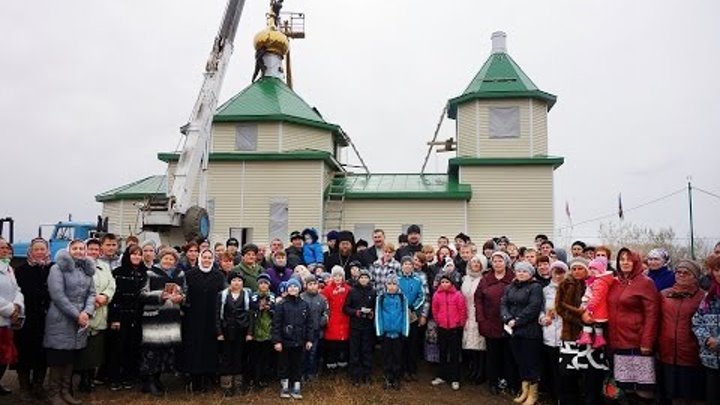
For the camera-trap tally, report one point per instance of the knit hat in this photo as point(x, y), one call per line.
point(232, 242)
point(169, 251)
point(294, 282)
point(579, 261)
point(355, 263)
point(148, 242)
point(234, 275)
point(406, 259)
point(362, 242)
point(283, 287)
point(295, 235)
point(447, 277)
point(337, 270)
point(526, 267)
point(448, 263)
point(659, 253)
point(391, 279)
point(558, 266)
point(598, 264)
point(249, 247)
point(504, 256)
point(413, 229)
point(365, 272)
point(691, 265)
point(332, 235)
point(263, 278)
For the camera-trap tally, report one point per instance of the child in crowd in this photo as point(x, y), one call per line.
point(292, 334)
point(449, 271)
point(319, 314)
point(391, 325)
point(360, 306)
point(312, 250)
point(233, 321)
point(450, 312)
point(337, 332)
point(262, 305)
point(595, 303)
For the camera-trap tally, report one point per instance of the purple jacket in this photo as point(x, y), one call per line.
point(277, 276)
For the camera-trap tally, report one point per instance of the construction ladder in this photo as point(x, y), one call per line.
point(334, 199)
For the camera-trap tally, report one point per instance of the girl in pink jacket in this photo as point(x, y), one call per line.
point(450, 313)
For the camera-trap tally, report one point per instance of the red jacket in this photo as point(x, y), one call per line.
point(449, 308)
point(677, 342)
point(338, 326)
point(634, 309)
point(488, 294)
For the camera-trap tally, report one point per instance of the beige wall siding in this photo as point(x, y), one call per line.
point(243, 190)
point(438, 217)
point(467, 129)
point(123, 217)
point(297, 137)
point(540, 133)
point(224, 137)
point(473, 130)
point(512, 201)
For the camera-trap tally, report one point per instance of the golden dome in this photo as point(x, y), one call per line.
point(271, 39)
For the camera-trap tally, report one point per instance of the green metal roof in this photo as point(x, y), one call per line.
point(153, 185)
point(500, 77)
point(270, 99)
point(539, 160)
point(404, 186)
point(308, 154)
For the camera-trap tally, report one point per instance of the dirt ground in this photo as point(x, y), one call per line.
point(330, 390)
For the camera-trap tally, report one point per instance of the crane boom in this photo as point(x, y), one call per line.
point(175, 210)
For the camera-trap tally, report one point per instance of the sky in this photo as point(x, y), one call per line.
point(91, 91)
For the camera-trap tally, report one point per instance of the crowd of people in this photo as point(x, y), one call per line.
point(588, 327)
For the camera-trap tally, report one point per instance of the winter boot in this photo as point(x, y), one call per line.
point(238, 385)
point(599, 341)
point(55, 386)
point(523, 394)
point(24, 381)
point(284, 388)
point(226, 383)
point(84, 385)
point(66, 386)
point(585, 338)
point(532, 396)
point(295, 393)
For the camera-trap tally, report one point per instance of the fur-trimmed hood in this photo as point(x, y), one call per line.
point(67, 263)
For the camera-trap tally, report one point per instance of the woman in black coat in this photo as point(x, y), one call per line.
point(199, 329)
point(32, 279)
point(520, 310)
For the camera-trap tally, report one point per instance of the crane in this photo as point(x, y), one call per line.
point(175, 210)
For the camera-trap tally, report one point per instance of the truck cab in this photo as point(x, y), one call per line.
point(60, 234)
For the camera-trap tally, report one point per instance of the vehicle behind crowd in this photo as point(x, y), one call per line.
point(536, 326)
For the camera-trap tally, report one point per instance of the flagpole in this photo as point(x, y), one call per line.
point(690, 210)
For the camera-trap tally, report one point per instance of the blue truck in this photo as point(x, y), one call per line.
point(60, 234)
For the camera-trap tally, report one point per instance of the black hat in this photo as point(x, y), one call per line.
point(355, 263)
point(413, 229)
point(362, 242)
point(235, 274)
point(232, 242)
point(402, 238)
point(462, 237)
point(249, 247)
point(295, 235)
point(346, 236)
point(264, 277)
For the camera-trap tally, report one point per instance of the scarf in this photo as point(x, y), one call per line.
point(42, 261)
point(678, 291)
point(472, 273)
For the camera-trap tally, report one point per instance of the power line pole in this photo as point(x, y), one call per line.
point(692, 230)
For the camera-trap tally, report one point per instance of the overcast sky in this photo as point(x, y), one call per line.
point(90, 91)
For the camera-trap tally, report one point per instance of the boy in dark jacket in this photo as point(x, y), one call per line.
point(359, 306)
point(233, 320)
point(319, 313)
point(292, 333)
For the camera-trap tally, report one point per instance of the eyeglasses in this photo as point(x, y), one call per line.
point(682, 273)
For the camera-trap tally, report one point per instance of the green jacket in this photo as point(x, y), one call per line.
point(250, 274)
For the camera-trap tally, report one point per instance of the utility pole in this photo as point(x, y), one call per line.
point(692, 230)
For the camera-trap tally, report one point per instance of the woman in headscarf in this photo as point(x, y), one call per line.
point(706, 326)
point(11, 310)
point(32, 278)
point(72, 295)
point(204, 282)
point(683, 377)
point(658, 260)
point(473, 343)
point(632, 326)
